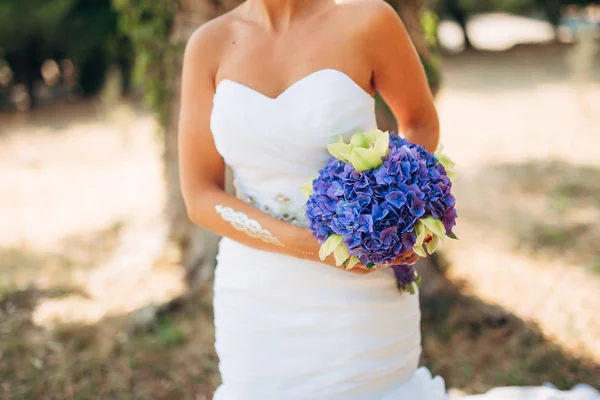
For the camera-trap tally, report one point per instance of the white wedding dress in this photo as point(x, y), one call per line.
point(289, 329)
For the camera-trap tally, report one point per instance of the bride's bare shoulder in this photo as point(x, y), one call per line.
point(366, 9)
point(208, 41)
point(367, 14)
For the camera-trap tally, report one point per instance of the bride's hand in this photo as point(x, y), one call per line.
point(408, 258)
point(358, 269)
point(309, 247)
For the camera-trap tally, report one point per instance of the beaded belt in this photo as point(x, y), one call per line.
point(281, 209)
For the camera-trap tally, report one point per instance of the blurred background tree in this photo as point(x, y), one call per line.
point(461, 10)
point(84, 32)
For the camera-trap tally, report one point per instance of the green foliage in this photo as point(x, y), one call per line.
point(429, 23)
point(71, 27)
point(432, 65)
point(148, 25)
point(88, 25)
point(480, 6)
point(23, 20)
point(85, 31)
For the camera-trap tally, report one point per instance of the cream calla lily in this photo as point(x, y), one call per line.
point(365, 150)
point(420, 251)
point(352, 262)
point(364, 159)
point(330, 245)
point(363, 139)
point(335, 244)
point(341, 254)
point(430, 233)
point(340, 150)
point(434, 225)
point(432, 245)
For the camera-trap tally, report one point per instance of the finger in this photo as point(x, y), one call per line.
point(412, 260)
point(358, 271)
point(354, 270)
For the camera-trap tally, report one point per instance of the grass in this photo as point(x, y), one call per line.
point(549, 209)
point(475, 346)
point(174, 360)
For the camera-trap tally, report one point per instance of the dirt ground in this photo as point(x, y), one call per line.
point(81, 229)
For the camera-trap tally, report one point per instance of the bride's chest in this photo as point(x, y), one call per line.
point(296, 125)
point(321, 105)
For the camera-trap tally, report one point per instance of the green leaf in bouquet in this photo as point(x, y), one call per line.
point(446, 161)
point(418, 280)
point(451, 235)
point(411, 288)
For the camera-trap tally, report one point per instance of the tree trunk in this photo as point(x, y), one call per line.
point(196, 247)
point(458, 14)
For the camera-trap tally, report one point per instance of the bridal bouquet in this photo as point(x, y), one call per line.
point(378, 197)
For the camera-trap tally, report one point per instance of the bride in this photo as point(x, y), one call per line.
point(265, 88)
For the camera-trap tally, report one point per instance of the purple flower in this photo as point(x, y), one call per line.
point(404, 273)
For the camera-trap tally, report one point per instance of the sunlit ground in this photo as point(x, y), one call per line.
point(80, 233)
point(81, 209)
point(524, 134)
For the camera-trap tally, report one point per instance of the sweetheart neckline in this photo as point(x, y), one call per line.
point(294, 85)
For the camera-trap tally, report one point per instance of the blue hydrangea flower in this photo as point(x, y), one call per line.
point(376, 210)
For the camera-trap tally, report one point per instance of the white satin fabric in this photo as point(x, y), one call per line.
point(288, 329)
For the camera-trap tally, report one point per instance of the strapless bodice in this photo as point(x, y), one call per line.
point(274, 145)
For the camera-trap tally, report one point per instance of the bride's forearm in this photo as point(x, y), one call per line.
point(426, 135)
point(228, 216)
